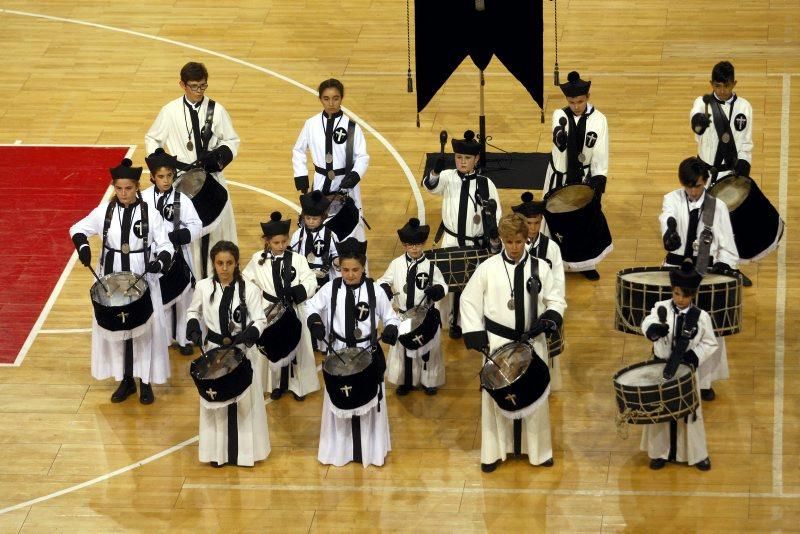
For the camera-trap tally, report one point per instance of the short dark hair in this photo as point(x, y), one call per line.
point(723, 72)
point(691, 169)
point(224, 246)
point(194, 71)
point(331, 82)
point(360, 257)
point(689, 292)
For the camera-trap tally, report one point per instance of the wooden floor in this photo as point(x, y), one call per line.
point(132, 467)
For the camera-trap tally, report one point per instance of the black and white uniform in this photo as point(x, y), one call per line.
point(164, 203)
point(486, 298)
point(149, 341)
point(299, 367)
point(319, 248)
point(245, 440)
point(322, 135)
point(688, 435)
point(587, 135)
point(336, 432)
point(171, 131)
point(546, 249)
point(408, 279)
point(739, 114)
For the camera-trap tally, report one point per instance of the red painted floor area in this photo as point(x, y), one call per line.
point(43, 191)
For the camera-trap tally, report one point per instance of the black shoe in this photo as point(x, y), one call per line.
point(657, 463)
point(276, 394)
point(125, 389)
point(547, 463)
point(187, 350)
point(488, 468)
point(746, 282)
point(298, 398)
point(705, 465)
point(592, 275)
point(217, 465)
point(146, 393)
point(708, 394)
point(455, 331)
point(403, 390)
point(431, 391)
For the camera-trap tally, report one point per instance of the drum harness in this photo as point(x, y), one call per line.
point(481, 192)
point(514, 334)
point(179, 262)
point(219, 337)
point(727, 156)
point(309, 244)
point(285, 279)
point(107, 259)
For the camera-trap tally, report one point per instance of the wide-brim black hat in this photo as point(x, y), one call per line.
point(575, 86)
point(159, 159)
point(529, 206)
point(469, 145)
point(314, 203)
point(351, 247)
point(125, 170)
point(275, 226)
point(413, 232)
point(685, 275)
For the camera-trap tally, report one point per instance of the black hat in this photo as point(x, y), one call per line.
point(124, 170)
point(159, 159)
point(275, 226)
point(468, 145)
point(314, 203)
point(575, 86)
point(414, 233)
point(351, 247)
point(529, 206)
point(685, 275)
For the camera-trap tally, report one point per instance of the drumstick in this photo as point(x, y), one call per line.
point(330, 348)
point(99, 281)
point(138, 278)
point(500, 369)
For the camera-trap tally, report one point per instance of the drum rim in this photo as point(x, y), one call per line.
point(330, 356)
point(489, 362)
point(239, 354)
point(145, 289)
point(644, 364)
point(555, 192)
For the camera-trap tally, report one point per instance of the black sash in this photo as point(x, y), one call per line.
point(685, 330)
point(482, 189)
point(205, 133)
point(107, 254)
point(575, 139)
point(726, 155)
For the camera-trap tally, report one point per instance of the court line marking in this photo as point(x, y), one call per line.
point(270, 194)
point(65, 330)
point(563, 76)
point(365, 125)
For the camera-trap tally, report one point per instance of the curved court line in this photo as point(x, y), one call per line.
point(396, 155)
point(255, 189)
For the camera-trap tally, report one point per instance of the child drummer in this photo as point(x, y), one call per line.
point(410, 281)
point(314, 240)
point(681, 325)
point(284, 276)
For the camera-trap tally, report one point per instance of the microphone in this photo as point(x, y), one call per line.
point(662, 314)
point(442, 139)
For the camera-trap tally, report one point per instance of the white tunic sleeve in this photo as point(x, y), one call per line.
point(360, 156)
point(255, 307)
point(189, 217)
point(726, 250)
point(92, 224)
point(304, 275)
point(299, 156)
point(222, 130)
point(320, 304)
point(599, 163)
point(472, 318)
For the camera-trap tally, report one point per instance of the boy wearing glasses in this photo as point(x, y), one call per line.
point(195, 128)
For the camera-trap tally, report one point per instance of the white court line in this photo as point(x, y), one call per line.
point(286, 201)
point(365, 125)
point(65, 331)
point(19, 142)
point(563, 75)
point(23, 351)
point(780, 294)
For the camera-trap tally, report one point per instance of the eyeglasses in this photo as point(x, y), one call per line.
point(197, 87)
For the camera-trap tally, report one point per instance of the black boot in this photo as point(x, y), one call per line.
point(125, 389)
point(146, 393)
point(188, 349)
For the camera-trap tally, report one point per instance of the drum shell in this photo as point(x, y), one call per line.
point(278, 340)
point(457, 264)
point(209, 201)
point(428, 329)
point(363, 384)
point(678, 396)
point(135, 313)
point(582, 234)
point(225, 387)
point(345, 220)
point(176, 280)
point(525, 389)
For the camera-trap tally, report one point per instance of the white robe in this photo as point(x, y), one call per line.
point(190, 220)
point(486, 295)
point(691, 439)
point(303, 235)
point(336, 433)
point(252, 431)
point(596, 162)
point(303, 377)
point(150, 356)
point(169, 131)
point(740, 114)
point(431, 373)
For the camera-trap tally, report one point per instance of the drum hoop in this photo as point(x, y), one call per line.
point(556, 193)
point(331, 356)
point(510, 345)
point(141, 285)
point(653, 412)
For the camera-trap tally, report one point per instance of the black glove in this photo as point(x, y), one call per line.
point(478, 340)
point(438, 167)
point(193, 332)
point(250, 336)
point(350, 181)
point(301, 183)
point(690, 358)
point(435, 292)
point(560, 138)
point(598, 183)
point(180, 237)
point(388, 290)
point(742, 168)
point(389, 334)
point(82, 246)
point(154, 266)
point(672, 240)
point(700, 122)
point(656, 331)
point(164, 258)
point(217, 159)
point(298, 293)
point(721, 267)
point(316, 326)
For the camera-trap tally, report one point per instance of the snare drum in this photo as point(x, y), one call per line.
point(516, 378)
point(207, 194)
point(343, 216)
point(280, 338)
point(352, 378)
point(120, 308)
point(644, 397)
point(176, 280)
point(457, 263)
point(757, 226)
point(221, 374)
point(639, 288)
point(576, 221)
point(424, 322)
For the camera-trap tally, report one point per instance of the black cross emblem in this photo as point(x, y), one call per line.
point(422, 280)
point(362, 311)
point(340, 135)
point(591, 139)
point(137, 229)
point(168, 212)
point(319, 247)
point(740, 121)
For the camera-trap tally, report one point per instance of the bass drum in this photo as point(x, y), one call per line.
point(645, 398)
point(207, 194)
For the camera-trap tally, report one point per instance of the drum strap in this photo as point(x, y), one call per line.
point(726, 155)
point(536, 284)
point(482, 189)
point(411, 285)
point(575, 140)
point(106, 226)
point(707, 235)
point(541, 249)
point(348, 154)
point(348, 147)
point(205, 133)
point(107, 258)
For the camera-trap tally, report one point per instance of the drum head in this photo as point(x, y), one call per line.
point(660, 278)
point(510, 362)
point(350, 361)
point(120, 289)
point(649, 375)
point(191, 182)
point(416, 315)
point(568, 198)
point(274, 313)
point(732, 190)
point(218, 362)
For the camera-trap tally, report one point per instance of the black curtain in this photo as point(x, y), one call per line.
point(447, 31)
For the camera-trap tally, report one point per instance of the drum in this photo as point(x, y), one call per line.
point(207, 194)
point(555, 342)
point(515, 377)
point(639, 288)
point(120, 306)
point(221, 374)
point(757, 226)
point(282, 334)
point(644, 397)
point(352, 376)
point(575, 220)
point(457, 263)
point(424, 321)
point(343, 217)
point(176, 280)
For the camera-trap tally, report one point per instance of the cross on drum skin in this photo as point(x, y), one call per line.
point(345, 390)
point(211, 393)
point(512, 397)
point(123, 316)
